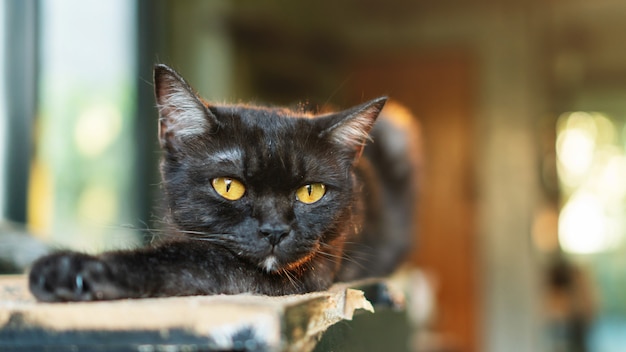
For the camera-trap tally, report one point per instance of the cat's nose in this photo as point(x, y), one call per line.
point(274, 233)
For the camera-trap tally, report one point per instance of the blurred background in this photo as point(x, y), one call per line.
point(522, 104)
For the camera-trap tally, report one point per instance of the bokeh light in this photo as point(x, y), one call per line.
point(592, 170)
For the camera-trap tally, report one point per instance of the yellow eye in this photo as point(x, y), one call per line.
point(309, 194)
point(228, 188)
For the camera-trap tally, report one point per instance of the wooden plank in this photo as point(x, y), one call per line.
point(207, 323)
point(237, 322)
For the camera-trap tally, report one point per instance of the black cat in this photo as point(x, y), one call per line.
point(260, 200)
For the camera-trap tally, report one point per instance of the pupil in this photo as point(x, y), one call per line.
point(228, 183)
point(309, 189)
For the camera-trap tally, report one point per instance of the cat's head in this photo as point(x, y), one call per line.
point(274, 186)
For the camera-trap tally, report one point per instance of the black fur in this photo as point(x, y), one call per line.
point(267, 242)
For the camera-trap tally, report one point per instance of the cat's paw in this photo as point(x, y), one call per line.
point(70, 276)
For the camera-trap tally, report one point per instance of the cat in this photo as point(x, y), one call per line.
point(260, 200)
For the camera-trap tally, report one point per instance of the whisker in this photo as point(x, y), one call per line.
point(354, 254)
point(291, 278)
point(201, 233)
point(215, 238)
point(331, 255)
point(342, 257)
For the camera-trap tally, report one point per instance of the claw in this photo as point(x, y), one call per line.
point(79, 284)
point(41, 282)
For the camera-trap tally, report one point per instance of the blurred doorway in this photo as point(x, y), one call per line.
point(438, 88)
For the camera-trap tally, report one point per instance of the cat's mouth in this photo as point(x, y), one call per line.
point(283, 256)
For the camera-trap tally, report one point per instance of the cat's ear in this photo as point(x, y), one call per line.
point(182, 114)
point(350, 128)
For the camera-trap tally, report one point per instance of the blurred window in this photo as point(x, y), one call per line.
point(80, 191)
point(3, 112)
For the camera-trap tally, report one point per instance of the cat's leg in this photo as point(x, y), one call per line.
point(148, 272)
point(172, 269)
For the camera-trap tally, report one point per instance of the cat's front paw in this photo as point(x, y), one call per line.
point(70, 276)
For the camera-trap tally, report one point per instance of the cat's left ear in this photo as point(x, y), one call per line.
point(350, 128)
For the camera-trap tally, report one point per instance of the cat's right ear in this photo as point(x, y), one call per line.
point(182, 114)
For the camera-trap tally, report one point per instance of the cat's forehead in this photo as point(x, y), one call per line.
point(259, 116)
point(274, 146)
point(252, 111)
point(264, 130)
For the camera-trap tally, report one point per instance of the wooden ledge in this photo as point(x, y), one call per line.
point(239, 322)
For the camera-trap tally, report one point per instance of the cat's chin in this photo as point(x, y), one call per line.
point(270, 264)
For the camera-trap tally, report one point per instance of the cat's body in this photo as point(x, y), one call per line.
point(260, 200)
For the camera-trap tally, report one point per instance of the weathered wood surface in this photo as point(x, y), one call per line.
point(199, 323)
